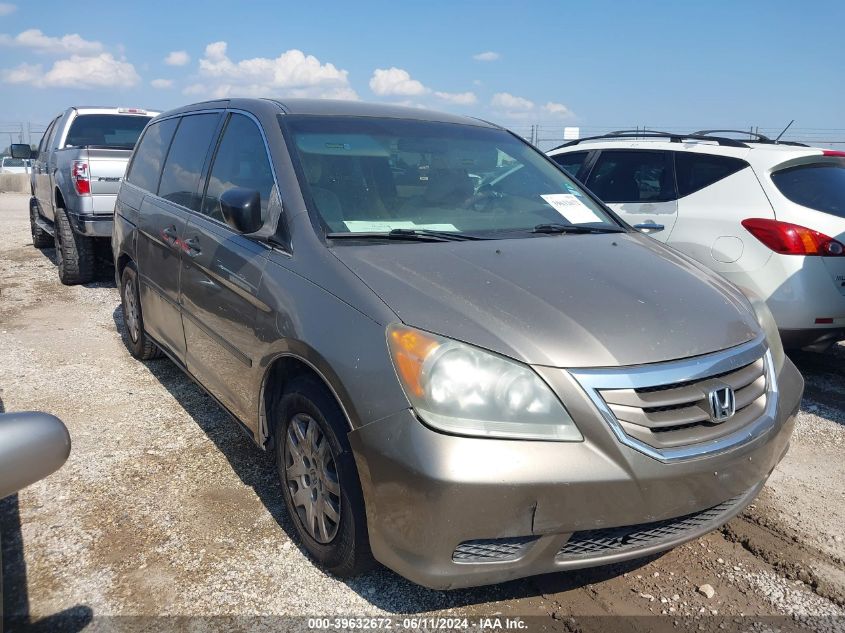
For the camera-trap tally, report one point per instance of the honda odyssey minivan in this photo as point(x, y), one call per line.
point(467, 367)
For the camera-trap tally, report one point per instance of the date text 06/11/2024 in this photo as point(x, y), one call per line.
point(416, 623)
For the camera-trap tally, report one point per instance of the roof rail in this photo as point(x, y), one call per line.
point(756, 137)
point(672, 136)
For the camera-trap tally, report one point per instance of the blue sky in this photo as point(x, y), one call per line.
point(589, 63)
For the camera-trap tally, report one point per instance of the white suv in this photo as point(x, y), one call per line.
point(769, 216)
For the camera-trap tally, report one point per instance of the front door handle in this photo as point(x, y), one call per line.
point(191, 247)
point(649, 227)
point(169, 234)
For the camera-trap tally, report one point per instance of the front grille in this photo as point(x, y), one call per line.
point(678, 413)
point(492, 550)
point(592, 543)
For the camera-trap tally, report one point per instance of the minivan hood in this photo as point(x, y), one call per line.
point(563, 301)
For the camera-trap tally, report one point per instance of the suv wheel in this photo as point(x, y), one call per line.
point(139, 344)
point(319, 479)
point(75, 253)
point(40, 237)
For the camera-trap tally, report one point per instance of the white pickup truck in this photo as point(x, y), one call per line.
point(76, 172)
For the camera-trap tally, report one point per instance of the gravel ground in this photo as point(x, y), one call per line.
point(166, 509)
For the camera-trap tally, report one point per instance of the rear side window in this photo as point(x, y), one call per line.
point(48, 133)
point(181, 175)
point(633, 176)
point(146, 164)
point(697, 171)
point(819, 186)
point(112, 131)
point(571, 162)
point(241, 161)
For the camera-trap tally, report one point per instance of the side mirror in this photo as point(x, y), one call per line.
point(22, 150)
point(32, 445)
point(242, 209)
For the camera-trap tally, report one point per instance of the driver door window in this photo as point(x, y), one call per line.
point(241, 161)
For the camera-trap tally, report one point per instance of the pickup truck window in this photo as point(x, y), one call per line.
point(112, 131)
point(145, 169)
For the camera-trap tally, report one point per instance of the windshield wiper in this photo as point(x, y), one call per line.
point(421, 235)
point(555, 227)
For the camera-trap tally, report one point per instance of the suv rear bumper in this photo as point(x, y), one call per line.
point(434, 501)
point(91, 225)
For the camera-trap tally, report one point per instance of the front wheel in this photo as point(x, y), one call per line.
point(40, 237)
point(319, 478)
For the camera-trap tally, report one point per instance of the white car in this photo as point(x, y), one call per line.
point(769, 216)
point(9, 165)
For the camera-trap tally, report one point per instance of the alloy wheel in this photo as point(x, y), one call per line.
point(312, 479)
point(131, 315)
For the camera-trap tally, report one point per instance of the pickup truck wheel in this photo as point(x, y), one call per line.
point(139, 344)
point(319, 478)
point(75, 253)
point(40, 237)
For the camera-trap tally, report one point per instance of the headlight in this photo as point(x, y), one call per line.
point(770, 327)
point(464, 390)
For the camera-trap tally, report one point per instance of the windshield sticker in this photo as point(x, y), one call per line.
point(571, 208)
point(365, 226)
point(571, 189)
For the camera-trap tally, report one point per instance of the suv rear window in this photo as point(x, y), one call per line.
point(819, 186)
point(112, 131)
point(697, 171)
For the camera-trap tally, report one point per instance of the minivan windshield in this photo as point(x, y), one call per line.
point(110, 131)
point(381, 175)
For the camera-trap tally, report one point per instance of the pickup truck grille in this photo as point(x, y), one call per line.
point(664, 409)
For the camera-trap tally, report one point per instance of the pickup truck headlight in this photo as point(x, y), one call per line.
point(464, 390)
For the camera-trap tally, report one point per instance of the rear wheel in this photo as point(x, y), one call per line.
point(140, 345)
point(319, 478)
point(75, 253)
point(40, 237)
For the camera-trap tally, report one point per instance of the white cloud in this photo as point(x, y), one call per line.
point(486, 56)
point(102, 71)
point(7, 7)
point(395, 81)
point(162, 84)
point(177, 58)
point(293, 74)
point(558, 110)
point(507, 101)
point(458, 98)
point(72, 44)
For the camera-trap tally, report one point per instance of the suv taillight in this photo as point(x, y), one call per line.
point(792, 239)
point(81, 177)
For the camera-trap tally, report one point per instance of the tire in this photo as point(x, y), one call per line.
point(140, 345)
point(75, 253)
point(40, 237)
point(343, 548)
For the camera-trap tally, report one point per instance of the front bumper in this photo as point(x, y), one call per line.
point(91, 225)
point(428, 493)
